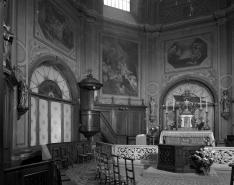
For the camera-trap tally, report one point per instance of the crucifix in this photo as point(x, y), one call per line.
point(186, 102)
point(89, 71)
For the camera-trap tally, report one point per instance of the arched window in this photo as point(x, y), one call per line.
point(199, 94)
point(51, 107)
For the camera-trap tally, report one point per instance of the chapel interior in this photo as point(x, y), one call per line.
point(148, 73)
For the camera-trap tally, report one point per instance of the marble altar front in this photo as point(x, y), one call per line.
point(187, 137)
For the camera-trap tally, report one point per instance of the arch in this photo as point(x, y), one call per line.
point(192, 79)
point(63, 67)
point(71, 80)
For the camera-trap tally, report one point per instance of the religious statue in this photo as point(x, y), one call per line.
point(193, 122)
point(23, 91)
point(225, 101)
point(7, 40)
point(152, 106)
point(152, 116)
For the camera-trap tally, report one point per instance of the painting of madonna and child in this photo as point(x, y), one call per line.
point(119, 67)
point(187, 53)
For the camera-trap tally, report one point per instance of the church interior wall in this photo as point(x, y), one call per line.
point(154, 70)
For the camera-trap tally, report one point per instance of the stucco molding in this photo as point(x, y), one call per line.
point(226, 82)
point(38, 50)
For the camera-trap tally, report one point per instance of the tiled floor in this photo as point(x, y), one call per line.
point(84, 174)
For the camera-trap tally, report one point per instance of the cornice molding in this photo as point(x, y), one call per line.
point(230, 9)
point(219, 17)
point(219, 14)
point(198, 20)
point(134, 27)
point(93, 16)
point(152, 31)
point(89, 15)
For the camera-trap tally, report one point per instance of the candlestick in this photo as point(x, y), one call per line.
point(166, 128)
point(206, 106)
point(200, 104)
point(173, 104)
point(207, 127)
point(166, 106)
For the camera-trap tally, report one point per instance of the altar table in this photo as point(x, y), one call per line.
point(187, 137)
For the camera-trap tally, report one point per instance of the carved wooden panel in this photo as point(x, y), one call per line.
point(176, 158)
point(39, 178)
point(136, 123)
point(107, 115)
point(126, 120)
point(33, 174)
point(167, 156)
point(121, 122)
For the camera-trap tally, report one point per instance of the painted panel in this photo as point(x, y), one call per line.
point(120, 67)
point(187, 53)
point(55, 27)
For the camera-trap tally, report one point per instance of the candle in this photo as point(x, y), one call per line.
point(166, 106)
point(173, 104)
point(206, 106)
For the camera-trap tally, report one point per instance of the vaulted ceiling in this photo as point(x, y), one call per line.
point(154, 12)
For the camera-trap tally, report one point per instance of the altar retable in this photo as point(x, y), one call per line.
point(187, 134)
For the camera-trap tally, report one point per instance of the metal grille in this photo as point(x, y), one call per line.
point(179, 10)
point(119, 4)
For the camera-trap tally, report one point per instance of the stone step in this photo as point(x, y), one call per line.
point(152, 171)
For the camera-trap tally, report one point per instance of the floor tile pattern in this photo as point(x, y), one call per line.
point(84, 174)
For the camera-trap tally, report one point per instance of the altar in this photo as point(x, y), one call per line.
point(185, 130)
point(201, 137)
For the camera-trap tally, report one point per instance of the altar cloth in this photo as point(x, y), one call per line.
point(186, 137)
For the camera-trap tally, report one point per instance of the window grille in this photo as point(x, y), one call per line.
point(119, 4)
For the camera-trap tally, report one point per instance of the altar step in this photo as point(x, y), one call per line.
point(152, 171)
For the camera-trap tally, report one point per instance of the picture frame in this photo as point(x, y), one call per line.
point(55, 27)
point(120, 67)
point(186, 54)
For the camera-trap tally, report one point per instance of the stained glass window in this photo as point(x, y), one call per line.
point(50, 88)
point(44, 76)
point(48, 85)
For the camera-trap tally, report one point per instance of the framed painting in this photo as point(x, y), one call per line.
point(55, 27)
point(187, 53)
point(119, 67)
